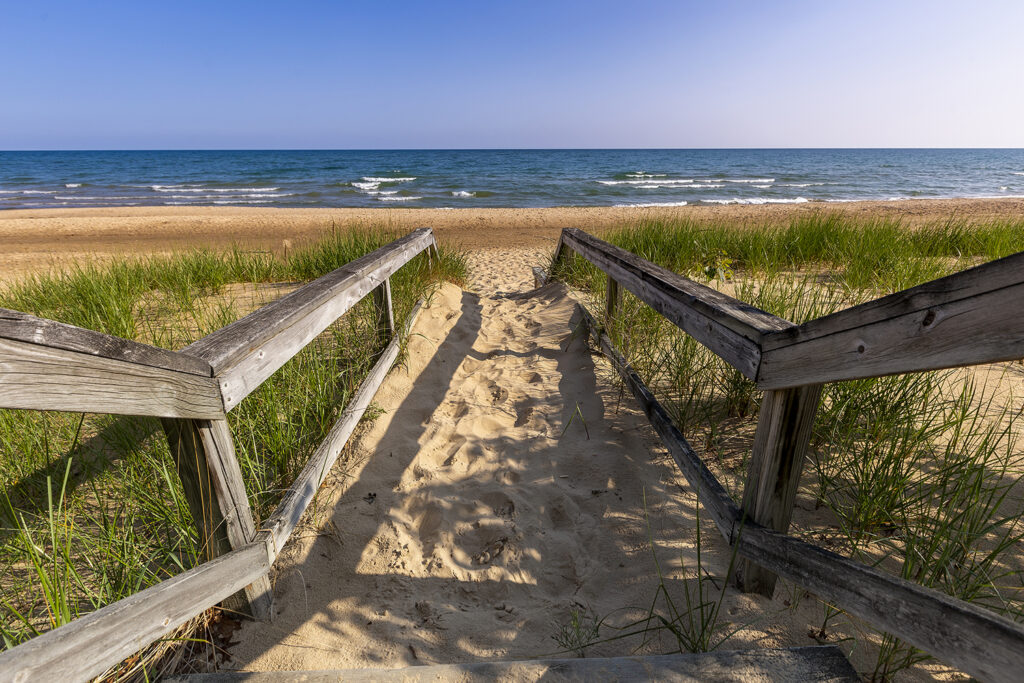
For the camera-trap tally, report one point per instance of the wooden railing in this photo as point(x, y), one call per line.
point(972, 317)
point(46, 365)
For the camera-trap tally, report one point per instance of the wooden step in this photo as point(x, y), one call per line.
point(812, 664)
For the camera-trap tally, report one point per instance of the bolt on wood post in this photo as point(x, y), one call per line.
point(780, 448)
point(385, 311)
point(204, 455)
point(611, 301)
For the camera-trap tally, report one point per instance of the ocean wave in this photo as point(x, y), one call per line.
point(249, 195)
point(743, 180)
point(70, 185)
point(1018, 172)
point(648, 205)
point(377, 192)
point(197, 189)
point(371, 179)
point(397, 199)
point(366, 187)
point(243, 201)
point(756, 200)
point(800, 184)
point(671, 181)
point(463, 193)
point(641, 174)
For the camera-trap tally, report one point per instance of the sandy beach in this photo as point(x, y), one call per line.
point(35, 240)
point(508, 481)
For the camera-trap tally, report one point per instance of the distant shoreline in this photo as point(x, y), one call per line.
point(39, 239)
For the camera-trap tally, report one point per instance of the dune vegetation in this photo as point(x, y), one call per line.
point(92, 508)
point(918, 473)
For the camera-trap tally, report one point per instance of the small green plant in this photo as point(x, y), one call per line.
point(581, 631)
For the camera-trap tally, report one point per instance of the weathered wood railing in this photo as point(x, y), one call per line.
point(972, 317)
point(46, 365)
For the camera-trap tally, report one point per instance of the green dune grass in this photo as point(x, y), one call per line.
point(92, 509)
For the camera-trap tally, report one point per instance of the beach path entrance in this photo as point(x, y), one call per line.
point(500, 490)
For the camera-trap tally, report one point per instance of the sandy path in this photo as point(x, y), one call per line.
point(502, 486)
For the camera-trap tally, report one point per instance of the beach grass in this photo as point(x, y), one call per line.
point(92, 509)
point(916, 474)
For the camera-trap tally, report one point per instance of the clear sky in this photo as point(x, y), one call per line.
point(511, 73)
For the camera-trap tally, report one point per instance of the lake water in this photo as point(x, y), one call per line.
point(502, 178)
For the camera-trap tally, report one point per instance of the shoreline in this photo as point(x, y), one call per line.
point(42, 239)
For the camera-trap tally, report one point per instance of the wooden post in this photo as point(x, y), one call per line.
point(611, 301)
point(212, 481)
point(385, 311)
point(777, 460)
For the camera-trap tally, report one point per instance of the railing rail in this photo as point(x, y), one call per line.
point(46, 365)
point(983, 306)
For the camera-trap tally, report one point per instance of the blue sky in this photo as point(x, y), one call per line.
point(338, 75)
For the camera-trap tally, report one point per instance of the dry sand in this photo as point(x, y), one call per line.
point(36, 239)
point(507, 482)
point(502, 487)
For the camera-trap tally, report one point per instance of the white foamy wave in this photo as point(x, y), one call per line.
point(743, 180)
point(397, 199)
point(671, 181)
point(463, 193)
point(366, 187)
point(30, 192)
point(371, 179)
point(757, 200)
point(641, 174)
point(648, 205)
point(70, 185)
point(193, 188)
point(1004, 188)
point(1018, 172)
point(243, 201)
point(800, 184)
point(377, 192)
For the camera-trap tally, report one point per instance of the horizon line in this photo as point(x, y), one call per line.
point(484, 149)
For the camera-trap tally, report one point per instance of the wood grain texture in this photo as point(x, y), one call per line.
point(730, 328)
point(88, 646)
point(540, 277)
point(970, 638)
point(300, 494)
point(982, 279)
point(776, 463)
point(385, 311)
point(46, 378)
point(17, 326)
point(819, 664)
point(975, 640)
point(204, 455)
point(983, 328)
point(611, 300)
point(247, 352)
point(228, 345)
